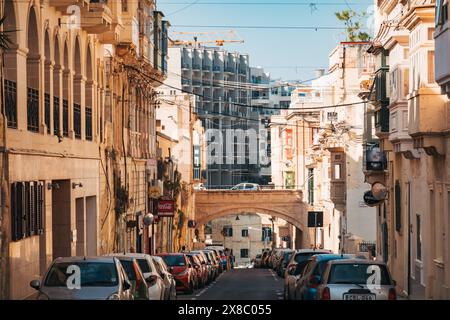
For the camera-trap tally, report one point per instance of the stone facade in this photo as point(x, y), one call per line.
point(78, 136)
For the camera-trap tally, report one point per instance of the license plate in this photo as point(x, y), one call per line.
point(359, 297)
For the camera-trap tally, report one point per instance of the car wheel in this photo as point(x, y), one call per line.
point(173, 294)
point(191, 288)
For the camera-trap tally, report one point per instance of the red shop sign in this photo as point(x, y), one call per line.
point(166, 208)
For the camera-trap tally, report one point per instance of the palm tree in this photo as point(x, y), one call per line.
point(5, 40)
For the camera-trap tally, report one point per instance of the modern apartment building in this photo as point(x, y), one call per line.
point(219, 80)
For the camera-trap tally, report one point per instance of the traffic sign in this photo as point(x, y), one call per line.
point(315, 219)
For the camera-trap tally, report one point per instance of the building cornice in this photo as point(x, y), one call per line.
point(417, 14)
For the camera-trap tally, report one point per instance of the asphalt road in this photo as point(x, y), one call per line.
point(248, 284)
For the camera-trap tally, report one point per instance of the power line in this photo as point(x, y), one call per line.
point(243, 3)
point(262, 27)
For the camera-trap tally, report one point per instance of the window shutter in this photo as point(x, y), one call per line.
point(40, 208)
point(17, 195)
point(398, 208)
point(32, 209)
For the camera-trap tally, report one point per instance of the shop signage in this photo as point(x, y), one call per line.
point(166, 208)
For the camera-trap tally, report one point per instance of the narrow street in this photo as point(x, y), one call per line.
point(241, 284)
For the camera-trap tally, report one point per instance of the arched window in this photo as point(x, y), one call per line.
point(33, 78)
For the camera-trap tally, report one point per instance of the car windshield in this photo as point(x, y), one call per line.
point(300, 257)
point(144, 265)
point(174, 260)
point(287, 257)
point(129, 270)
point(92, 274)
point(359, 274)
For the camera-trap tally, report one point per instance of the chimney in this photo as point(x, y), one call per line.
point(320, 73)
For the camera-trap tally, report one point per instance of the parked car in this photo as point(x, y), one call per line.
point(353, 279)
point(209, 265)
point(136, 277)
point(306, 287)
point(246, 186)
point(101, 278)
point(291, 277)
point(282, 265)
point(265, 259)
point(153, 279)
point(181, 269)
point(200, 273)
point(170, 286)
point(217, 259)
point(257, 261)
point(292, 274)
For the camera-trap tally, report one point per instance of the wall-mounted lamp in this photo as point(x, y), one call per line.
point(75, 185)
point(51, 186)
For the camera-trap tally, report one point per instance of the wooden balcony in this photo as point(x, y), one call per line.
point(63, 5)
point(97, 18)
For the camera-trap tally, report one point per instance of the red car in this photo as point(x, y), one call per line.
point(182, 270)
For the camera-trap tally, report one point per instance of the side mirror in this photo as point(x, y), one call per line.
point(291, 270)
point(126, 285)
point(35, 284)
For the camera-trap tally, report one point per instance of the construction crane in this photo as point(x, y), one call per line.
point(211, 38)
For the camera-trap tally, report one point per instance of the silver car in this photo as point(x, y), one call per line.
point(246, 186)
point(84, 278)
point(155, 283)
point(170, 286)
point(356, 279)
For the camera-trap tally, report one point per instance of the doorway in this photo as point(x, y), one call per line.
point(61, 219)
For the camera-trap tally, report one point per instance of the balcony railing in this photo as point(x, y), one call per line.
point(196, 66)
point(47, 112)
point(243, 71)
point(185, 82)
point(77, 120)
point(229, 69)
point(33, 110)
point(56, 116)
point(65, 118)
point(216, 68)
point(196, 82)
point(185, 66)
point(206, 67)
point(11, 103)
point(88, 132)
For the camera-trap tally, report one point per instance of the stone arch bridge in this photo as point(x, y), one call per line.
point(285, 204)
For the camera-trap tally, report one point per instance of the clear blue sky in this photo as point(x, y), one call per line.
point(283, 53)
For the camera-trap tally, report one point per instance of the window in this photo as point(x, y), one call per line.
point(244, 232)
point(311, 186)
point(337, 172)
point(418, 238)
point(430, 66)
point(27, 209)
point(244, 253)
point(227, 231)
point(398, 207)
point(266, 234)
point(332, 116)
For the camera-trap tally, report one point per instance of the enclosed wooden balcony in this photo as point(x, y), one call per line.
point(97, 18)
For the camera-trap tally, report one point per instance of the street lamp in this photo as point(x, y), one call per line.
point(149, 219)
